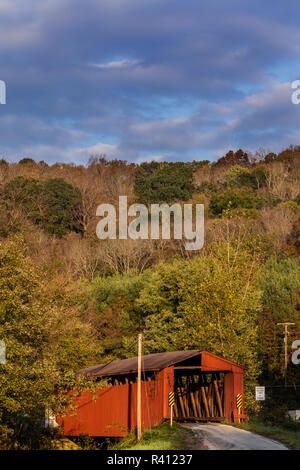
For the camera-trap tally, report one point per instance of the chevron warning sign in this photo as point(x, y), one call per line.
point(239, 400)
point(171, 398)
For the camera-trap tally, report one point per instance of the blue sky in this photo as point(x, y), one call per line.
point(147, 79)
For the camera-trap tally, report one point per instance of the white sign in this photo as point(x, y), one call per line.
point(260, 393)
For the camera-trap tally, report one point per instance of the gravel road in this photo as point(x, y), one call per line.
point(222, 437)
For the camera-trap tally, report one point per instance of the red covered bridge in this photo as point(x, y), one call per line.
point(205, 387)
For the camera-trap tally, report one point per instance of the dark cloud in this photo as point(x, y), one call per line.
point(143, 78)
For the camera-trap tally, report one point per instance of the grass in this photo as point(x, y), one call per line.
point(162, 437)
point(288, 434)
point(165, 437)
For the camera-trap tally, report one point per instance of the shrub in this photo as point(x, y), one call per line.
point(156, 182)
point(231, 200)
point(233, 158)
point(290, 205)
point(61, 200)
point(26, 161)
point(241, 176)
point(51, 204)
point(207, 186)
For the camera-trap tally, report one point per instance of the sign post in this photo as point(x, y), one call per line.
point(260, 394)
point(239, 404)
point(171, 404)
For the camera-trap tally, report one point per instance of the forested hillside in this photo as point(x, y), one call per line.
point(69, 300)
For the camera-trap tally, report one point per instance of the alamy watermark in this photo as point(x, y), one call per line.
point(295, 97)
point(2, 92)
point(143, 226)
point(2, 352)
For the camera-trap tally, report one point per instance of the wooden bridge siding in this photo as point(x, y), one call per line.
point(113, 412)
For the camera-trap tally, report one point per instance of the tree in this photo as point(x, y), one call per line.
point(45, 344)
point(27, 161)
point(293, 240)
point(278, 223)
point(270, 157)
point(25, 192)
point(118, 313)
point(61, 200)
point(122, 256)
point(209, 302)
point(231, 199)
point(241, 176)
point(233, 158)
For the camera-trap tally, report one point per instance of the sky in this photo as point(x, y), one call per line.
point(143, 80)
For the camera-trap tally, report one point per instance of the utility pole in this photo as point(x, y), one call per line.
point(286, 333)
point(139, 389)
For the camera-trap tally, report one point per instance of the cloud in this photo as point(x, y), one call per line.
point(147, 79)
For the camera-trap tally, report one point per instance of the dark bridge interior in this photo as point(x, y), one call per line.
point(199, 395)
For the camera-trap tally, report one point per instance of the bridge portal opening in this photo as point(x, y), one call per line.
point(199, 396)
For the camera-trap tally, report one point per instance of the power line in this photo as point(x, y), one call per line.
point(286, 333)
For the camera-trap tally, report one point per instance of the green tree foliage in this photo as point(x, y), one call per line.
point(45, 344)
point(119, 314)
point(293, 240)
point(51, 204)
point(208, 187)
point(231, 199)
point(129, 303)
point(251, 178)
point(289, 155)
point(210, 302)
point(25, 192)
point(226, 300)
point(270, 157)
point(61, 201)
point(27, 161)
point(163, 182)
point(221, 307)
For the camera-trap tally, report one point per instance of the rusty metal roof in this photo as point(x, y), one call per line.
point(156, 361)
